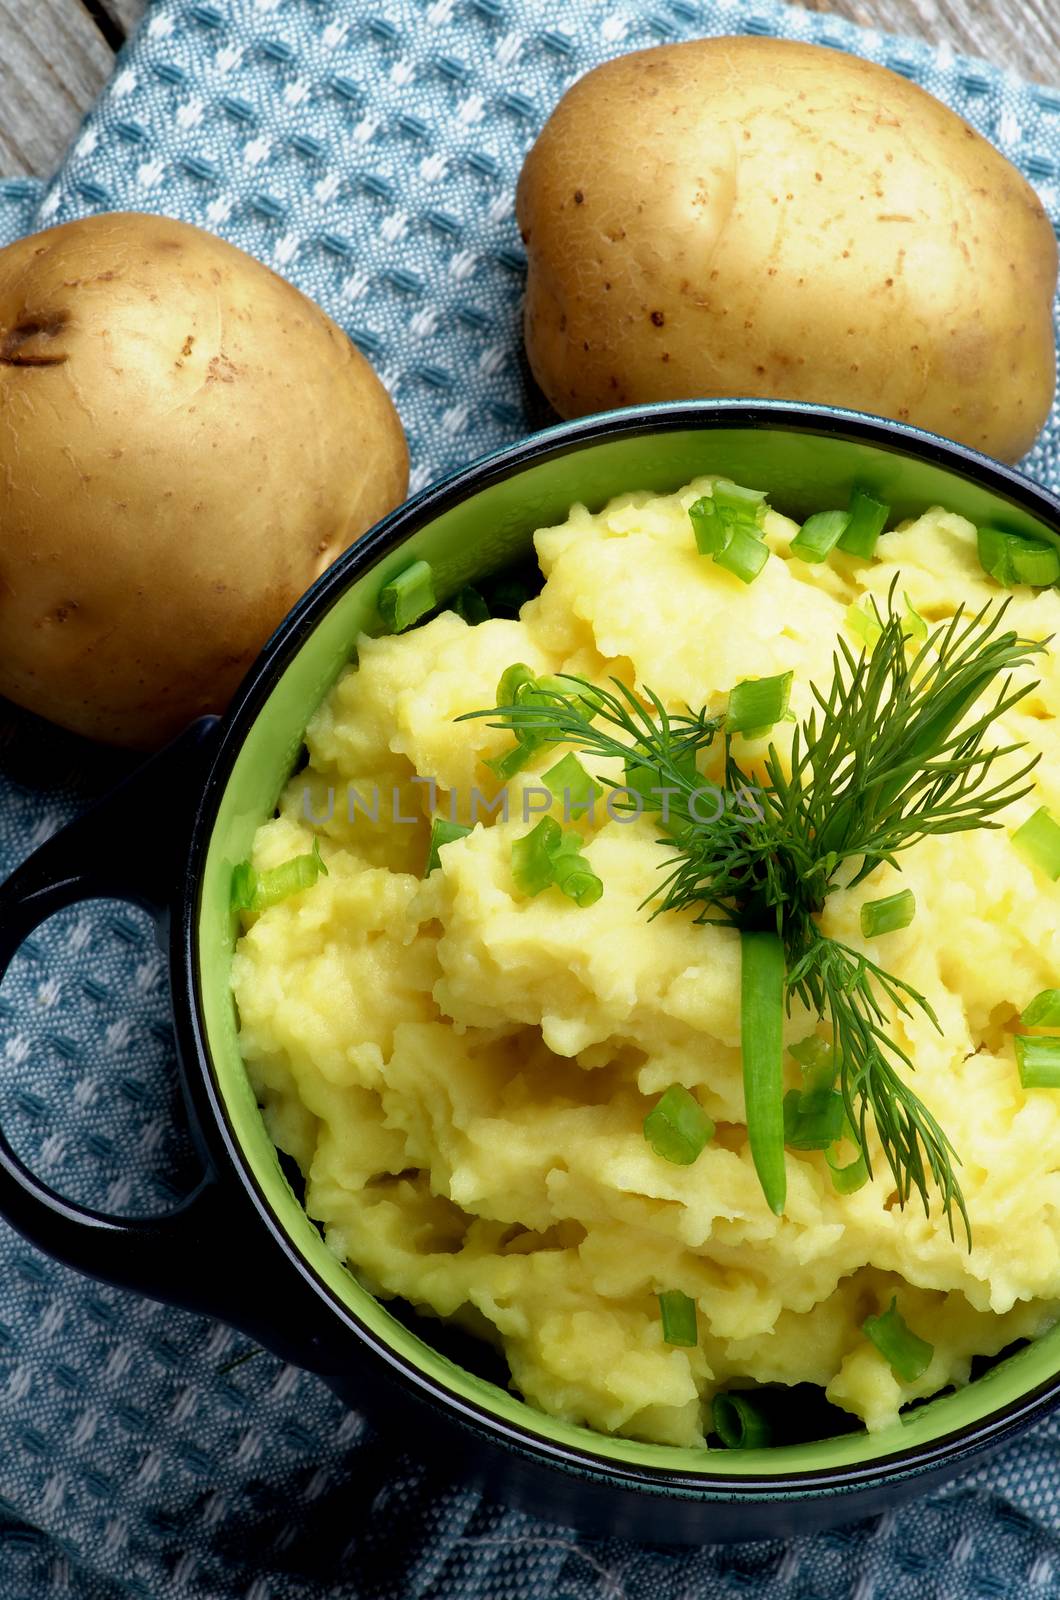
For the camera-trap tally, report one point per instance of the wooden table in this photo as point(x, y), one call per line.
point(55, 55)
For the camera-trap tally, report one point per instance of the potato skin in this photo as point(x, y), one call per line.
point(186, 443)
point(751, 216)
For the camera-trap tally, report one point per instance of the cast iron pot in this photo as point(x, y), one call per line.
point(241, 1246)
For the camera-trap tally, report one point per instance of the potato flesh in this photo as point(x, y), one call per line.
point(764, 218)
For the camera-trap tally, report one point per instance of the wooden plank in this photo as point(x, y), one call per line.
point(53, 63)
point(126, 13)
point(1020, 35)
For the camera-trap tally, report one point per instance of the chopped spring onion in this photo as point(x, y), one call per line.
point(758, 703)
point(916, 625)
point(862, 621)
point(906, 1353)
point(1036, 564)
point(532, 856)
point(745, 554)
point(738, 1422)
point(511, 680)
point(548, 685)
point(256, 891)
point(442, 832)
point(1043, 1011)
point(546, 856)
point(509, 762)
point(868, 518)
point(816, 1059)
point(677, 1127)
point(736, 501)
point(572, 874)
point(728, 526)
point(819, 534)
point(850, 1178)
point(517, 686)
point(572, 786)
point(1038, 1061)
point(761, 1032)
point(470, 605)
point(894, 911)
point(711, 529)
point(678, 1312)
point(244, 887)
point(1039, 840)
point(813, 1119)
point(408, 596)
point(1013, 560)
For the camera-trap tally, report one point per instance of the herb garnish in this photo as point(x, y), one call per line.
point(885, 758)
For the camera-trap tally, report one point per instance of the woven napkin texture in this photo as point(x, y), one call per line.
point(368, 151)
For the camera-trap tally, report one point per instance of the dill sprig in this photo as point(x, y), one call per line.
point(893, 752)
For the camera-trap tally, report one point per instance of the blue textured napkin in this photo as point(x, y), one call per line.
point(368, 152)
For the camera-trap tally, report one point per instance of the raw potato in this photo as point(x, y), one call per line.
point(750, 216)
point(186, 443)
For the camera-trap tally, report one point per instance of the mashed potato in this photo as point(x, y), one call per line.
point(462, 1073)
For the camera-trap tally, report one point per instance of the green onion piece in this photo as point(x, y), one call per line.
point(532, 866)
point(589, 696)
point(867, 520)
point(538, 692)
point(813, 1120)
point(817, 1062)
point(1039, 840)
point(735, 501)
point(907, 1355)
point(758, 703)
point(995, 554)
point(745, 555)
point(711, 529)
point(1013, 560)
point(511, 680)
point(678, 1318)
point(863, 622)
point(546, 855)
point(894, 911)
point(583, 886)
point(550, 684)
point(738, 1422)
point(916, 625)
point(470, 605)
point(1039, 1062)
point(259, 890)
point(244, 887)
point(761, 1032)
point(677, 1127)
point(510, 761)
point(572, 874)
point(1043, 1011)
point(1036, 564)
point(290, 878)
point(569, 782)
point(442, 832)
point(850, 1178)
point(408, 596)
point(819, 534)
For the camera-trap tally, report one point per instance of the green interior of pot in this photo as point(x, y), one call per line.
point(802, 472)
